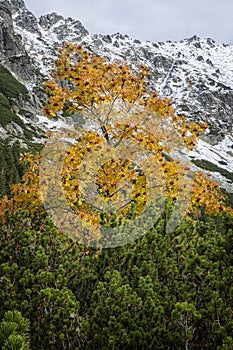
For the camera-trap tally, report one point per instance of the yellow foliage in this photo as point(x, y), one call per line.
point(130, 155)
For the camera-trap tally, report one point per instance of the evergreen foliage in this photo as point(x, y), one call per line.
point(11, 169)
point(10, 86)
point(14, 332)
point(10, 91)
point(165, 291)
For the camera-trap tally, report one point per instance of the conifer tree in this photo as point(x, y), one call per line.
point(14, 332)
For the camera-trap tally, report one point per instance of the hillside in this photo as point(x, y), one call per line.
point(113, 243)
point(195, 73)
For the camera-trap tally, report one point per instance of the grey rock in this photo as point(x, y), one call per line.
point(107, 39)
point(47, 21)
point(10, 44)
point(15, 5)
point(63, 30)
point(23, 17)
point(26, 20)
point(12, 51)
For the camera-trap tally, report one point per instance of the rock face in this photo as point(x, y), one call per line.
point(10, 44)
point(61, 27)
point(197, 74)
point(22, 16)
point(47, 21)
point(21, 53)
point(12, 51)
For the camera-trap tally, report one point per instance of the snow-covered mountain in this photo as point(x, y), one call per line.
point(197, 74)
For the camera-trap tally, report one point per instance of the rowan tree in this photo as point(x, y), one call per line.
point(124, 114)
point(125, 156)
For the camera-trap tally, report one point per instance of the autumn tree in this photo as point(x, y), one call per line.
point(125, 160)
point(121, 168)
point(169, 289)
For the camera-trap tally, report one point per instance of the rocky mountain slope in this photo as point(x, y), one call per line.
point(197, 74)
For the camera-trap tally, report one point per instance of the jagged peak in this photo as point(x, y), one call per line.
point(19, 3)
point(196, 39)
point(193, 38)
point(46, 21)
point(49, 20)
point(120, 36)
point(14, 5)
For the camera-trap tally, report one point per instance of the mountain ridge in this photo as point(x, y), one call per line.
point(197, 74)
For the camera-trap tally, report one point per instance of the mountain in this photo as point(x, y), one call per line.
point(196, 73)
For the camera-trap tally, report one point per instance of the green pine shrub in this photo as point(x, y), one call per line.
point(14, 332)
